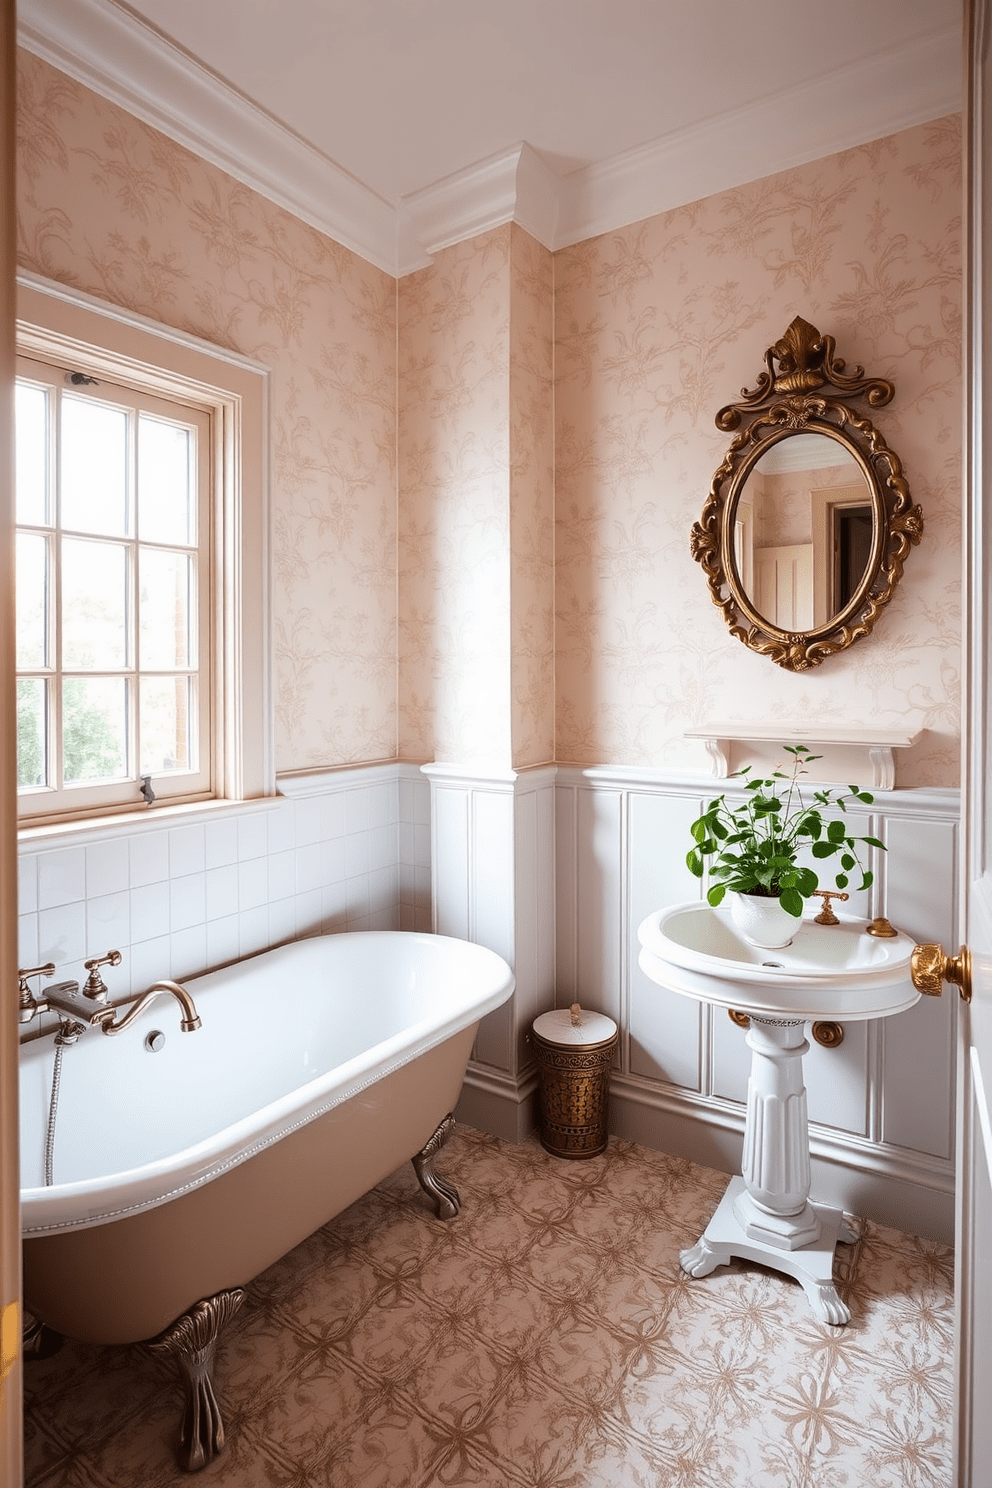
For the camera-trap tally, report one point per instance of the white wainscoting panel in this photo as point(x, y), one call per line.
point(880, 1105)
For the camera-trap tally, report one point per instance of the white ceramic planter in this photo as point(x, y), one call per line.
point(763, 922)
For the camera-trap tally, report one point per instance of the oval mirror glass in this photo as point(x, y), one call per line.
point(803, 529)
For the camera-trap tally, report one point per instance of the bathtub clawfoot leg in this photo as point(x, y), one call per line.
point(191, 1340)
point(445, 1195)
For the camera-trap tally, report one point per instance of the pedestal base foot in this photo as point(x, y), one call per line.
point(191, 1341)
point(811, 1265)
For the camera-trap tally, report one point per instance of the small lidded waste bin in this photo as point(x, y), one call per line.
point(574, 1052)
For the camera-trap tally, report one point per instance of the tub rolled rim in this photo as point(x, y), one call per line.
point(56, 1209)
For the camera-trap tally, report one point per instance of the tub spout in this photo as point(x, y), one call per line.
point(190, 1019)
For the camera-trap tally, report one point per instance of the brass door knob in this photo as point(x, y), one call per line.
point(931, 967)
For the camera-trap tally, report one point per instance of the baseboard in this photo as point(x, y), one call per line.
point(889, 1185)
point(501, 1104)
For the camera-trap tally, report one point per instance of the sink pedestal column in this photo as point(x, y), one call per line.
point(765, 1215)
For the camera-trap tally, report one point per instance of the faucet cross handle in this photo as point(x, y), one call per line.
point(95, 987)
point(27, 1003)
point(826, 915)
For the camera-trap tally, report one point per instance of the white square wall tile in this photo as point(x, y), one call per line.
point(383, 847)
point(253, 837)
point(61, 877)
point(253, 884)
point(149, 857)
point(309, 913)
point(27, 883)
point(27, 945)
point(282, 875)
point(357, 857)
point(356, 806)
point(187, 851)
point(307, 820)
point(333, 821)
point(382, 806)
point(309, 873)
point(150, 911)
point(151, 961)
point(222, 892)
point(281, 827)
point(334, 861)
point(189, 952)
point(223, 941)
point(108, 926)
point(220, 841)
point(62, 937)
point(108, 867)
point(187, 901)
point(282, 921)
point(253, 931)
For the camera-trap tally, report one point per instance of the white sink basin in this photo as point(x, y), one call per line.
point(829, 971)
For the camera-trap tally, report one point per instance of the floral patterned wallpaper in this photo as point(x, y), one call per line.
point(476, 456)
point(658, 326)
point(530, 595)
point(114, 208)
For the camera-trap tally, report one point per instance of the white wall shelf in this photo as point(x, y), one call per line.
point(879, 744)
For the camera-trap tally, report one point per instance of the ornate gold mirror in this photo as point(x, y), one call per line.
point(809, 519)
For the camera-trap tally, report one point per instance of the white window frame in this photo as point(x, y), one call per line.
point(60, 325)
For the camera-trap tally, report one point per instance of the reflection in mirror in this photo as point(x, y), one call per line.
point(803, 531)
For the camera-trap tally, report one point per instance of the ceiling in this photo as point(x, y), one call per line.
point(416, 113)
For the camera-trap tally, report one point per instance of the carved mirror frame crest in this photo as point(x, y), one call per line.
point(796, 396)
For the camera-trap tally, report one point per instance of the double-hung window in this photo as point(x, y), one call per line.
point(142, 601)
point(113, 606)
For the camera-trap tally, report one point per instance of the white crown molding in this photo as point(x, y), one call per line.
point(909, 85)
point(115, 54)
point(118, 56)
point(514, 186)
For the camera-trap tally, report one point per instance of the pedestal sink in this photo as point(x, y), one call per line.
point(828, 972)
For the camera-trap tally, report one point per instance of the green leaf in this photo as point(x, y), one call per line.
point(864, 796)
point(847, 862)
point(806, 882)
point(792, 902)
point(825, 849)
point(836, 831)
point(867, 879)
point(873, 842)
point(842, 880)
point(715, 895)
point(694, 863)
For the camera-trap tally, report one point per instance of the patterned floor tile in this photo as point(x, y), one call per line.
point(545, 1338)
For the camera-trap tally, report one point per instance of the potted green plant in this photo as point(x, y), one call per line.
point(752, 850)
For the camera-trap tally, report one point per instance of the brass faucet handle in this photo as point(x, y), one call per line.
point(27, 1003)
point(826, 915)
point(47, 970)
point(930, 967)
point(95, 987)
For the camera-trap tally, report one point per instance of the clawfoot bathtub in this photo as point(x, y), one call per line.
point(182, 1171)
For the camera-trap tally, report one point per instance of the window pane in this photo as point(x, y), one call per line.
point(32, 715)
point(166, 491)
point(165, 724)
point(94, 605)
point(165, 609)
point(32, 600)
point(94, 466)
point(94, 729)
point(31, 440)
